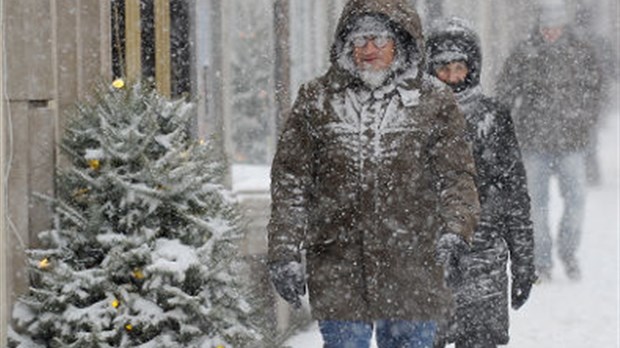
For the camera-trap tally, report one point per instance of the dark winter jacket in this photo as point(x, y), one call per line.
point(505, 230)
point(364, 182)
point(553, 91)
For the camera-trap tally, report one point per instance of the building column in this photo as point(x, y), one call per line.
point(133, 40)
point(282, 59)
point(162, 47)
point(4, 298)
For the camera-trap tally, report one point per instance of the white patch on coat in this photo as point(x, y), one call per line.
point(320, 100)
point(362, 119)
point(342, 107)
point(409, 97)
point(485, 125)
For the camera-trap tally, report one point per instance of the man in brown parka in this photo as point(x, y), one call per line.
point(373, 181)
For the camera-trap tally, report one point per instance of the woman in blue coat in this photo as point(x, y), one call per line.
point(480, 283)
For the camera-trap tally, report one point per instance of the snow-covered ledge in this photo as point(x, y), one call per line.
point(250, 184)
point(250, 180)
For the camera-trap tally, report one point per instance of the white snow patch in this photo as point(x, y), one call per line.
point(93, 154)
point(171, 256)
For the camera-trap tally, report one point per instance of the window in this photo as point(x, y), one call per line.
point(151, 41)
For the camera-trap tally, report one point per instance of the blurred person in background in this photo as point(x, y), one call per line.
point(374, 181)
point(552, 84)
point(505, 230)
point(608, 63)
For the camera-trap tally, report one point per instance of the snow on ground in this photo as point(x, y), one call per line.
point(561, 313)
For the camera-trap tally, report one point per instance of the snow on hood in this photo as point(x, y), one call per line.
point(401, 16)
point(451, 39)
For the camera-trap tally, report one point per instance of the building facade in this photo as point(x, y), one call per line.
point(45, 68)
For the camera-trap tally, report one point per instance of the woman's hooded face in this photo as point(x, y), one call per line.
point(452, 73)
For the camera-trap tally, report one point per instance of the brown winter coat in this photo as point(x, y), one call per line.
point(366, 205)
point(553, 91)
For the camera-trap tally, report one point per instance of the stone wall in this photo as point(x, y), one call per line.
point(53, 53)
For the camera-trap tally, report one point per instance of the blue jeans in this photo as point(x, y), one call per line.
point(390, 333)
point(570, 170)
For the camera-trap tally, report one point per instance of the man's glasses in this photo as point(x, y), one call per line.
point(380, 40)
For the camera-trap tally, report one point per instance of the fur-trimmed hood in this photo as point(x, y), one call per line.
point(453, 39)
point(401, 16)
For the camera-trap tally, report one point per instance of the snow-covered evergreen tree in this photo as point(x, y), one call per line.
point(143, 252)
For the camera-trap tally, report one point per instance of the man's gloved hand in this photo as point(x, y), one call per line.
point(289, 280)
point(450, 248)
point(521, 285)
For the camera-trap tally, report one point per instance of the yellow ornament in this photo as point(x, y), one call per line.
point(137, 273)
point(202, 142)
point(80, 192)
point(220, 346)
point(116, 303)
point(128, 327)
point(118, 83)
point(94, 164)
point(44, 264)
